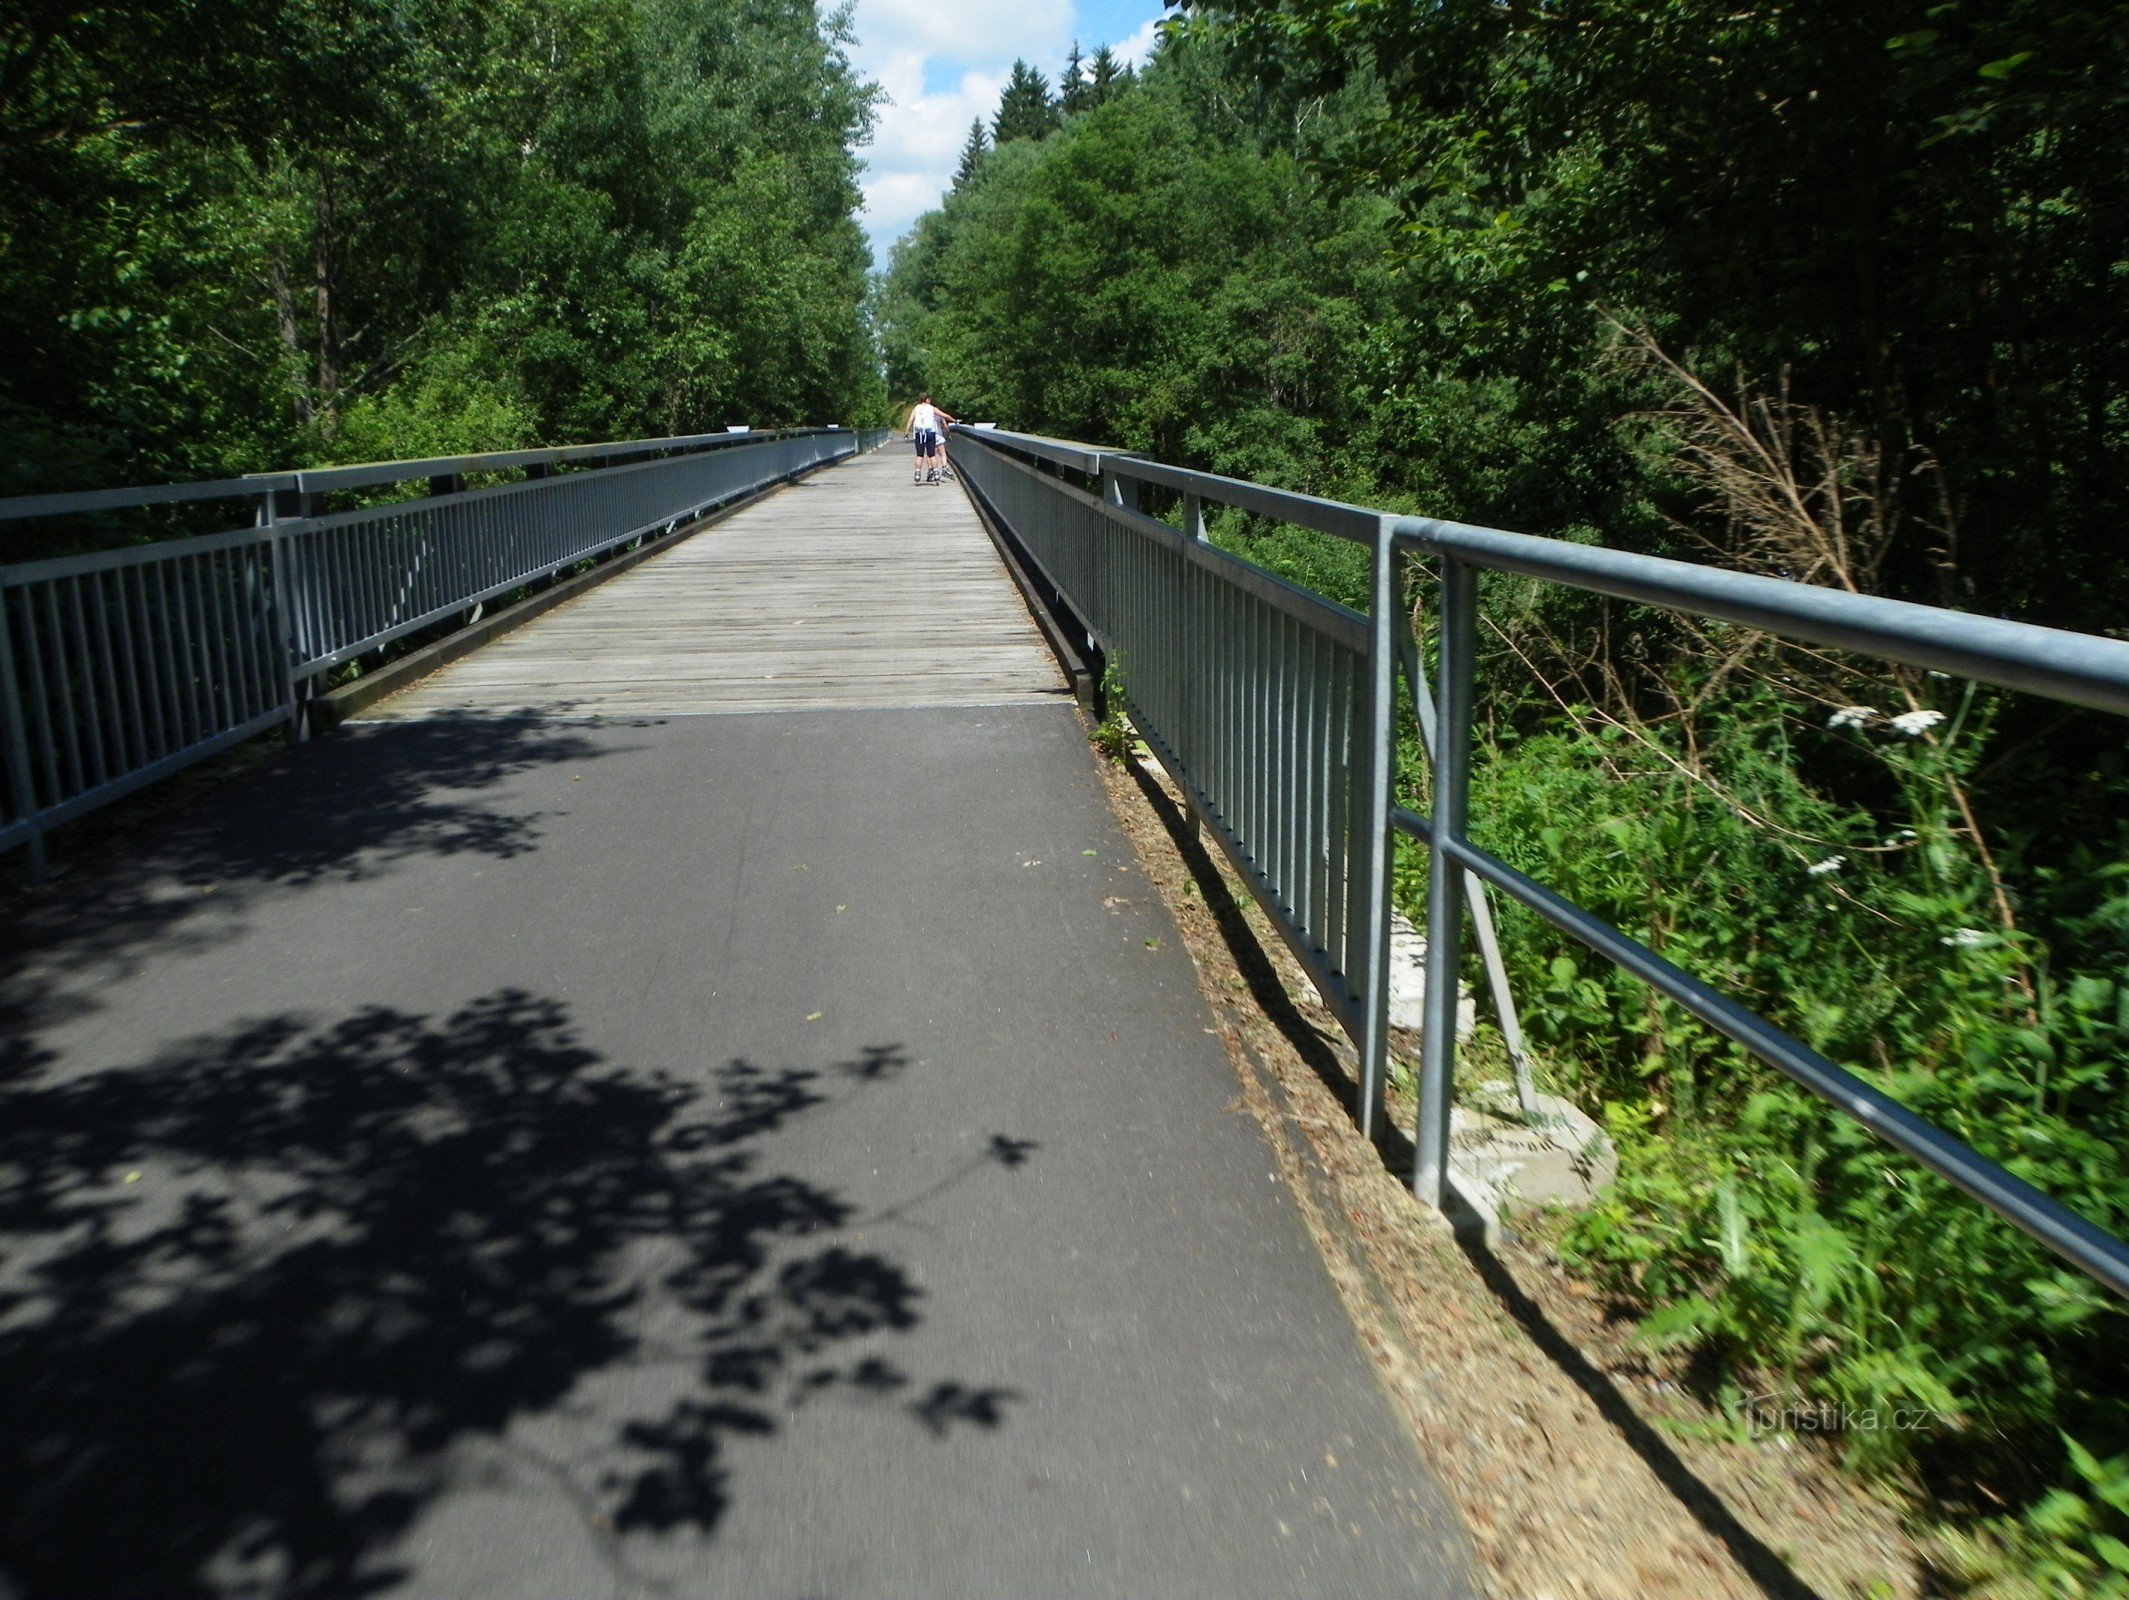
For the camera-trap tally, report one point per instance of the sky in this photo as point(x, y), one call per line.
point(943, 63)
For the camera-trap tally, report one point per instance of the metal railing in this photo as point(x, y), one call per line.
point(1276, 713)
point(123, 666)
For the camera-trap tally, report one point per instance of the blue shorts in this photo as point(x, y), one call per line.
point(927, 441)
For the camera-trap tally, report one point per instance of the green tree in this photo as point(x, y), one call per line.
point(1074, 92)
point(1106, 76)
point(1025, 110)
point(308, 229)
point(1913, 211)
point(972, 154)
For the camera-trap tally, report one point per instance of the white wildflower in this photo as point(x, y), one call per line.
point(1819, 869)
point(1965, 938)
point(1851, 716)
point(1913, 723)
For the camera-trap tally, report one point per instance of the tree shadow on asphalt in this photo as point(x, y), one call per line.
point(353, 806)
point(268, 1297)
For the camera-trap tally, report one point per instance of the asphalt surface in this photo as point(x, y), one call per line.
point(739, 1155)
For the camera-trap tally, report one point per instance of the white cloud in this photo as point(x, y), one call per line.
point(973, 31)
point(1139, 47)
point(903, 45)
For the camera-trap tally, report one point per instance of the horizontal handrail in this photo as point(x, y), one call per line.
point(1086, 458)
point(326, 480)
point(1341, 520)
point(2082, 668)
point(81, 502)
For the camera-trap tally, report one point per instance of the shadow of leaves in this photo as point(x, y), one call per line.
point(348, 807)
point(262, 1294)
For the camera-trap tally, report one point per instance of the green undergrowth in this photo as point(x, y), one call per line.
point(1818, 1279)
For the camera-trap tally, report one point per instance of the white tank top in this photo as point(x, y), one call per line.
point(925, 419)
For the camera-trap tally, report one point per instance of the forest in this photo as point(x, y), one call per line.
point(238, 235)
point(1834, 293)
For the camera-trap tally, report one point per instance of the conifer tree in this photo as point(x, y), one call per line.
point(1074, 92)
point(1025, 110)
point(1107, 77)
point(972, 154)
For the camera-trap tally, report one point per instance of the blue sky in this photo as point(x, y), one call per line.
point(942, 63)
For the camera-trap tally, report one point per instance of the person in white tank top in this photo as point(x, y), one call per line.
point(927, 430)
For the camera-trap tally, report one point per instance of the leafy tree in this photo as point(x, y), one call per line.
point(1913, 212)
point(273, 230)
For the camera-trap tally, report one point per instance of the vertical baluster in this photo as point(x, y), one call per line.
point(1337, 736)
point(327, 589)
point(1260, 743)
point(15, 741)
point(248, 604)
point(97, 680)
point(297, 600)
point(1304, 777)
point(349, 543)
point(1253, 687)
point(1259, 715)
point(1267, 760)
point(66, 708)
point(1191, 629)
point(222, 632)
point(379, 543)
point(268, 651)
point(190, 623)
point(169, 675)
point(347, 587)
point(1279, 764)
point(1286, 787)
point(1234, 657)
point(45, 727)
point(146, 747)
point(199, 626)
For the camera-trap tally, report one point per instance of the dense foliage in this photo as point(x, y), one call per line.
point(1830, 293)
point(240, 233)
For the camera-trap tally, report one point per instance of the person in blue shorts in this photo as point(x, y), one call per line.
point(927, 429)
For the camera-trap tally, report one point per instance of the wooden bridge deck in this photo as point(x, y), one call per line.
point(850, 590)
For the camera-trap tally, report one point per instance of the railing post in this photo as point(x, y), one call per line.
point(1377, 783)
point(1445, 881)
point(1117, 489)
point(14, 747)
point(285, 625)
point(1489, 942)
point(1195, 662)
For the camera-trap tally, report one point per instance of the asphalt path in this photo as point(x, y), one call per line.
point(742, 1155)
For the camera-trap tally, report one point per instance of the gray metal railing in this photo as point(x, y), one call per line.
point(1256, 693)
point(123, 666)
point(1276, 713)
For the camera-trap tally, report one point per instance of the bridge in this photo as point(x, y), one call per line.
point(689, 1087)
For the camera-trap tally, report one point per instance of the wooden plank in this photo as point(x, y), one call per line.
point(852, 589)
